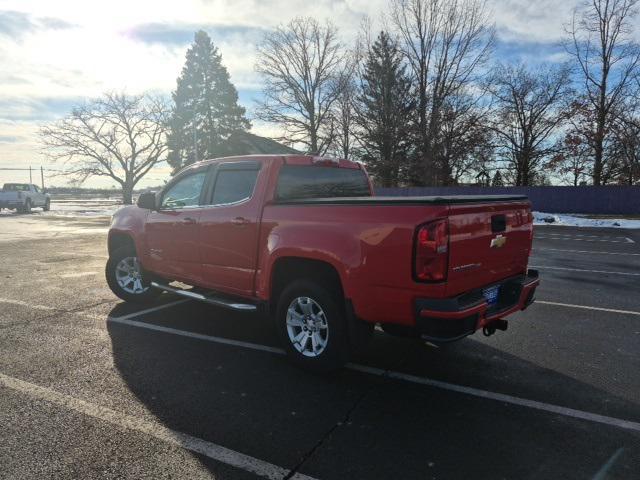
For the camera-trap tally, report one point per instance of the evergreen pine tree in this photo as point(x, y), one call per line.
point(384, 112)
point(497, 180)
point(206, 107)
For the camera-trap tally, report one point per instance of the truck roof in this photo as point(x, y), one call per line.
point(290, 159)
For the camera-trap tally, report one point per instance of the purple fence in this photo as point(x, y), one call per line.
point(610, 199)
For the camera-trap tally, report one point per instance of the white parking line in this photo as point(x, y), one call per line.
point(545, 267)
point(573, 239)
point(194, 444)
point(501, 397)
point(83, 254)
point(592, 252)
point(602, 474)
point(150, 310)
point(585, 307)
point(550, 234)
point(197, 336)
point(26, 304)
point(524, 402)
point(77, 274)
point(548, 407)
point(87, 314)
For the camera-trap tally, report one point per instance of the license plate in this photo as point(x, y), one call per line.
point(491, 294)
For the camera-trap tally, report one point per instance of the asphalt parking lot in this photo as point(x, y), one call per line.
point(93, 388)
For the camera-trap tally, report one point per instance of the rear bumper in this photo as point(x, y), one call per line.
point(448, 319)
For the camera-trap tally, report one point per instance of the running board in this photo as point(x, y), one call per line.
point(214, 300)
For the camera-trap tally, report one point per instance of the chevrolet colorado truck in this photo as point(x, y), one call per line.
point(303, 240)
point(23, 197)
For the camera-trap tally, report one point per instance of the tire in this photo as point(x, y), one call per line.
point(120, 260)
point(47, 206)
point(319, 324)
point(26, 208)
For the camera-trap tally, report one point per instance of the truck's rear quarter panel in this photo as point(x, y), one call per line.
point(369, 246)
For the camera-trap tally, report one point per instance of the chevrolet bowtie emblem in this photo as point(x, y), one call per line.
point(498, 242)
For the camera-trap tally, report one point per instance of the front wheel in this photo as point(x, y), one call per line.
point(126, 277)
point(26, 208)
point(311, 325)
point(47, 206)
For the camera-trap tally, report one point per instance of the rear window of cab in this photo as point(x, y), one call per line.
point(305, 181)
point(16, 187)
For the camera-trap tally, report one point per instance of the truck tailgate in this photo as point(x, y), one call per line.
point(488, 243)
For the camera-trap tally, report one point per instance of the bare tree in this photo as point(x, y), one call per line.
point(465, 139)
point(627, 141)
point(117, 136)
point(571, 161)
point(303, 65)
point(445, 42)
point(601, 41)
point(528, 111)
point(343, 121)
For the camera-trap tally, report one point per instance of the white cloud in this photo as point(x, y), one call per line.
point(539, 21)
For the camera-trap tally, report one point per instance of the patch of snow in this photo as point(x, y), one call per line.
point(568, 220)
point(77, 207)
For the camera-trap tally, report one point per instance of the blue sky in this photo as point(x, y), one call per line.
point(54, 54)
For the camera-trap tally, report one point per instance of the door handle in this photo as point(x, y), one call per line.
point(189, 220)
point(239, 221)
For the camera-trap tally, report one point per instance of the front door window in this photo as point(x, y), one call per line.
point(184, 193)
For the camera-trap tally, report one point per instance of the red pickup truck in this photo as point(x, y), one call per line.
point(304, 240)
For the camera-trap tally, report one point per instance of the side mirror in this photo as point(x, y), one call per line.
point(147, 200)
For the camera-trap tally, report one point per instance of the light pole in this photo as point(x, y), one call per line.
point(195, 136)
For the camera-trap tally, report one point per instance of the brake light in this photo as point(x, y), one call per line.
point(432, 251)
point(326, 161)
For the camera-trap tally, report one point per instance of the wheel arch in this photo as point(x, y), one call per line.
point(289, 268)
point(118, 240)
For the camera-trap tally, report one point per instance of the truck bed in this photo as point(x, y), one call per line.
point(427, 200)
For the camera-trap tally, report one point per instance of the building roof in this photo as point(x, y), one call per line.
point(245, 143)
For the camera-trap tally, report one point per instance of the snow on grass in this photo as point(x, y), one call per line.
point(76, 207)
point(565, 219)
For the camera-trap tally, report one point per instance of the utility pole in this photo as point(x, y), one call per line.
point(195, 141)
point(30, 178)
point(42, 176)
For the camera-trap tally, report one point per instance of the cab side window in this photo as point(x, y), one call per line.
point(185, 192)
point(234, 184)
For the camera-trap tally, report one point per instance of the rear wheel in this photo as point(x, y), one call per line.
point(311, 325)
point(127, 279)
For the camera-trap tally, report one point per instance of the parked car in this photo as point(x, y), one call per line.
point(303, 240)
point(23, 197)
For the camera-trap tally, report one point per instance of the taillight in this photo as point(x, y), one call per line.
point(326, 161)
point(432, 251)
